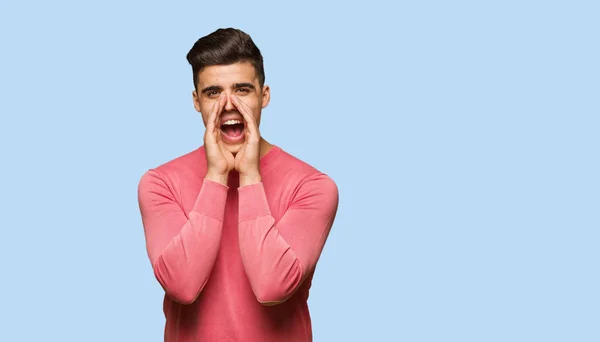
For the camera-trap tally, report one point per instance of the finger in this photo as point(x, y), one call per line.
point(214, 114)
point(247, 114)
point(218, 108)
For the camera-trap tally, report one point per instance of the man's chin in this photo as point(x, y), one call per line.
point(234, 149)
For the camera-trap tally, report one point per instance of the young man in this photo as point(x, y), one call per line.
point(234, 228)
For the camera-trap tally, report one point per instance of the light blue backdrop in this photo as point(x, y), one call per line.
point(463, 137)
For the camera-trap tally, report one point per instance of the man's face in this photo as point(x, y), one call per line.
point(237, 79)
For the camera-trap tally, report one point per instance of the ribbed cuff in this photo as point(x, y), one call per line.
point(252, 202)
point(212, 199)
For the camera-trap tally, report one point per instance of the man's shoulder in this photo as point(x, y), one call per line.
point(291, 164)
point(300, 182)
point(183, 166)
point(296, 170)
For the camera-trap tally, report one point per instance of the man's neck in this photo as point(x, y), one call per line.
point(265, 147)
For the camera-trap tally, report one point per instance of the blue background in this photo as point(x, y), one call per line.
point(463, 137)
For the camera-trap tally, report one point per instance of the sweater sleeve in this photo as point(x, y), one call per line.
point(279, 257)
point(182, 250)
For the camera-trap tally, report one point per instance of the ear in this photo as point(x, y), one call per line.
point(266, 96)
point(196, 99)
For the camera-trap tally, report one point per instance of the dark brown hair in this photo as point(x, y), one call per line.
point(224, 47)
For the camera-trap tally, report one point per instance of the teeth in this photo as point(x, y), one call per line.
point(232, 122)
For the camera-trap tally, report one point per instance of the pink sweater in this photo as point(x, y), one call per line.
point(236, 263)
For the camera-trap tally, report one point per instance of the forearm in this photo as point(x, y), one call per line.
point(279, 257)
point(184, 266)
point(271, 265)
point(182, 248)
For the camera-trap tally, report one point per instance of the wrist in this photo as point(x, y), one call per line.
point(249, 179)
point(215, 177)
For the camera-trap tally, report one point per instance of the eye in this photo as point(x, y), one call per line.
point(212, 93)
point(243, 90)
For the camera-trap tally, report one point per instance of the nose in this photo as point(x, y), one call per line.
point(228, 104)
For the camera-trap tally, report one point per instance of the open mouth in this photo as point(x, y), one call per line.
point(232, 130)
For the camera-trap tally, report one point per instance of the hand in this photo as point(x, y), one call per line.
point(247, 160)
point(220, 161)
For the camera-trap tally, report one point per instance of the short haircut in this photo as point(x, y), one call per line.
point(224, 47)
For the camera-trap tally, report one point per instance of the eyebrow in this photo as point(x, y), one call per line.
point(235, 86)
point(244, 85)
point(211, 88)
